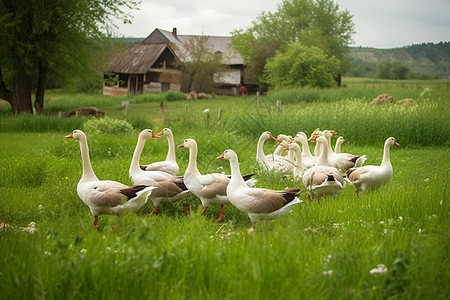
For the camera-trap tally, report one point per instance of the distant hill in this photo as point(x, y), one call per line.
point(426, 60)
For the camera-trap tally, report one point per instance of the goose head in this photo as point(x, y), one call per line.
point(267, 135)
point(76, 134)
point(147, 134)
point(301, 133)
point(188, 143)
point(391, 141)
point(228, 154)
point(321, 139)
point(165, 131)
point(283, 139)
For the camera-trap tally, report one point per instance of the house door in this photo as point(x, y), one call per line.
point(165, 86)
point(132, 87)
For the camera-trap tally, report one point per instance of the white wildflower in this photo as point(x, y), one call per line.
point(327, 272)
point(400, 218)
point(420, 230)
point(380, 269)
point(31, 228)
point(47, 253)
point(40, 208)
point(427, 179)
point(83, 250)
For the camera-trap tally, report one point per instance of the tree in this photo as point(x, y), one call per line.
point(199, 65)
point(298, 65)
point(317, 23)
point(392, 70)
point(51, 40)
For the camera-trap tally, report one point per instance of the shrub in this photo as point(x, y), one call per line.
point(108, 126)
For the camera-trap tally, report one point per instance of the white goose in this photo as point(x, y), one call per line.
point(299, 167)
point(337, 147)
point(281, 141)
point(258, 203)
point(168, 165)
point(106, 196)
point(373, 177)
point(209, 188)
point(322, 180)
point(168, 188)
point(342, 161)
point(308, 159)
point(135, 168)
point(272, 162)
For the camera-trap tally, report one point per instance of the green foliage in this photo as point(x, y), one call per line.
point(298, 65)
point(175, 96)
point(107, 125)
point(199, 64)
point(313, 23)
point(394, 70)
point(425, 61)
point(41, 42)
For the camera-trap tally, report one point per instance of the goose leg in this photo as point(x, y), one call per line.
point(186, 209)
point(204, 210)
point(154, 211)
point(221, 213)
point(252, 228)
point(94, 222)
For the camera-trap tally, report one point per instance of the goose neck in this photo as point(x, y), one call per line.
point(88, 172)
point(322, 160)
point(134, 167)
point(386, 157)
point(171, 153)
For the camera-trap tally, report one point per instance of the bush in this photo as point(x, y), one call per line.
point(108, 126)
point(299, 65)
point(174, 96)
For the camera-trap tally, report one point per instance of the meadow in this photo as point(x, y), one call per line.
point(392, 243)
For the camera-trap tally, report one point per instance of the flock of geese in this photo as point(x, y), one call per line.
point(323, 172)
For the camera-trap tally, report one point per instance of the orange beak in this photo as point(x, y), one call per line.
point(313, 137)
point(396, 144)
point(70, 136)
point(181, 146)
point(154, 135)
point(221, 156)
point(161, 132)
point(272, 137)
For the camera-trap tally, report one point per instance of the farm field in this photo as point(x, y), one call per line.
point(392, 243)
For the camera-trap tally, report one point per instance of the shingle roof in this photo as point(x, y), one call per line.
point(217, 43)
point(137, 58)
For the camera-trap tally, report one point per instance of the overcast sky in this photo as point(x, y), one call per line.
point(379, 23)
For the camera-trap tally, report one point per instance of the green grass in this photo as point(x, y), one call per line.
point(322, 250)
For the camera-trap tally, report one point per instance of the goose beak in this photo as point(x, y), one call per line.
point(70, 136)
point(154, 135)
point(181, 146)
point(272, 137)
point(221, 156)
point(313, 137)
point(161, 132)
point(396, 144)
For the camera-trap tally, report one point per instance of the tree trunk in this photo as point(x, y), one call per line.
point(5, 94)
point(21, 98)
point(42, 82)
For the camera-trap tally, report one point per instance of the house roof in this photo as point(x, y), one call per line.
point(220, 44)
point(137, 58)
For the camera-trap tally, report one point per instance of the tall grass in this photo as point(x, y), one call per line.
point(388, 244)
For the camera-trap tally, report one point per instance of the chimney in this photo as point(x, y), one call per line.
point(174, 31)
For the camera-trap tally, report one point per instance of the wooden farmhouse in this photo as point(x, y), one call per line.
point(150, 65)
